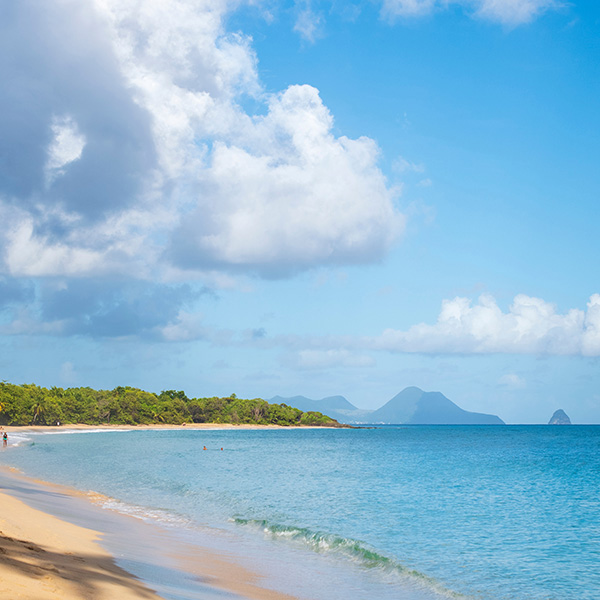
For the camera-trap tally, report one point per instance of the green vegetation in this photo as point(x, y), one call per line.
point(33, 405)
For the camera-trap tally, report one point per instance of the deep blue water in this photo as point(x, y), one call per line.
point(491, 512)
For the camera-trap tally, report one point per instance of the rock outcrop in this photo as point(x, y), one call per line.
point(560, 417)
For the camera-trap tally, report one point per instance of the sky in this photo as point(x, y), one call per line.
point(304, 198)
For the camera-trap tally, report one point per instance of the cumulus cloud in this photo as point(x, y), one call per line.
point(293, 197)
point(61, 86)
point(507, 12)
point(128, 150)
point(531, 326)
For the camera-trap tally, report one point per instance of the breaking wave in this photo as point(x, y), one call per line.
point(347, 548)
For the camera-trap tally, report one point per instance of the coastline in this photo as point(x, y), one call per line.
point(43, 557)
point(56, 542)
point(156, 426)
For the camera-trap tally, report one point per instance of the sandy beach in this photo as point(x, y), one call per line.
point(108, 427)
point(44, 557)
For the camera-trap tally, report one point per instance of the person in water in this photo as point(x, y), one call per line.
point(5, 438)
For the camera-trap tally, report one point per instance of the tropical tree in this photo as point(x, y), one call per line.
point(38, 411)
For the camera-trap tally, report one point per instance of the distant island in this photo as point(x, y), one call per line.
point(412, 406)
point(560, 417)
point(34, 405)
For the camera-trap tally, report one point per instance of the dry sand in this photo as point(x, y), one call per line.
point(105, 427)
point(44, 558)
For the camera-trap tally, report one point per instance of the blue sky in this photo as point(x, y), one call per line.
point(304, 197)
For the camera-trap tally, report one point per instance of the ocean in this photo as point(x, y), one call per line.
point(392, 513)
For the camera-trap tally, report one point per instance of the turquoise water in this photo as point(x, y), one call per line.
point(493, 513)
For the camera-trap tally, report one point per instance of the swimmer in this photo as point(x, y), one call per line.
point(205, 448)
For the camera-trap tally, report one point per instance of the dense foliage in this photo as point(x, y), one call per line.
point(33, 405)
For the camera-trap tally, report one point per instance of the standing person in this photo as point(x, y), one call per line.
point(5, 438)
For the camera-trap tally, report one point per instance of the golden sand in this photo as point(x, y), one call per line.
point(44, 558)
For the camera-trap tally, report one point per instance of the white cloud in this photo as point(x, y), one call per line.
point(308, 23)
point(117, 246)
point(591, 338)
point(407, 8)
point(159, 146)
point(272, 194)
point(507, 12)
point(66, 146)
point(531, 326)
point(187, 327)
point(294, 196)
point(31, 255)
point(513, 12)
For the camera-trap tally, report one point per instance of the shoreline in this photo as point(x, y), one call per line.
point(43, 557)
point(65, 427)
point(56, 542)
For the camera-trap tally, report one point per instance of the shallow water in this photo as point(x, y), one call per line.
point(494, 513)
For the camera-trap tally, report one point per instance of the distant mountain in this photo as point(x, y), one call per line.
point(306, 404)
point(560, 417)
point(336, 407)
point(412, 406)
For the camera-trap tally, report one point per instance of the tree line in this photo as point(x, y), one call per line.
point(30, 404)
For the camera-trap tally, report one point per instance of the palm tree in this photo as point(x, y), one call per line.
point(156, 416)
point(38, 410)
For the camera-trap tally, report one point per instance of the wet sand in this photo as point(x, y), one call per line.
point(45, 558)
point(56, 542)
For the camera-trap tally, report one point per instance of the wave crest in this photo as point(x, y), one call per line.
point(347, 548)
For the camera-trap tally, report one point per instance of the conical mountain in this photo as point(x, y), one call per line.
point(560, 417)
point(413, 406)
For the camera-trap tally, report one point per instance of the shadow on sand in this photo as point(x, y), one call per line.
point(86, 574)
